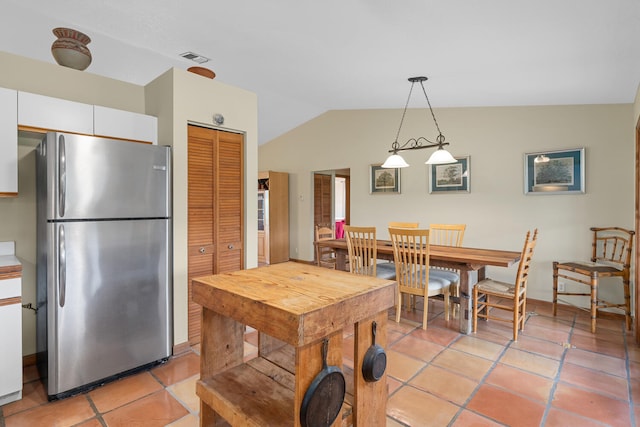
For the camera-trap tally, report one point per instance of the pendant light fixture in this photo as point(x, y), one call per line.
point(439, 157)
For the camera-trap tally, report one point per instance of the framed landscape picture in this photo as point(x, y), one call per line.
point(554, 172)
point(384, 180)
point(450, 178)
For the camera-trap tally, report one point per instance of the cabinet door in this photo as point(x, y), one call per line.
point(216, 209)
point(8, 142)
point(278, 217)
point(322, 199)
point(124, 125)
point(263, 248)
point(229, 202)
point(11, 353)
point(11, 338)
point(200, 218)
point(45, 112)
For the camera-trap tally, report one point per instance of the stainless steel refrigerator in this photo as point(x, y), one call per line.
point(104, 269)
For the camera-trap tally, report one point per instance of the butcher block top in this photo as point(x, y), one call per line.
point(294, 302)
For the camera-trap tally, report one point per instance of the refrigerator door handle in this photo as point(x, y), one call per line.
point(62, 175)
point(62, 267)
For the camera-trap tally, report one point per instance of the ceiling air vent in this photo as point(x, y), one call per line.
point(195, 57)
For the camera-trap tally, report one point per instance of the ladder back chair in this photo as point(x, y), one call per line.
point(489, 293)
point(447, 235)
point(363, 253)
point(325, 257)
point(610, 257)
point(411, 256)
point(396, 224)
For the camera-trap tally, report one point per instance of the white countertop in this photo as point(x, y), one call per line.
point(7, 255)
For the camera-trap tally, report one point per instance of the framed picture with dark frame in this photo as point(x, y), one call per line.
point(384, 180)
point(554, 172)
point(451, 177)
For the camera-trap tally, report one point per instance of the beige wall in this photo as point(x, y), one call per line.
point(636, 107)
point(175, 97)
point(195, 99)
point(496, 211)
point(29, 75)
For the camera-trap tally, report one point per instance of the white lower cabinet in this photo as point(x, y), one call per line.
point(10, 340)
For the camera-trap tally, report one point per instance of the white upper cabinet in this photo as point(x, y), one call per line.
point(45, 112)
point(114, 123)
point(8, 142)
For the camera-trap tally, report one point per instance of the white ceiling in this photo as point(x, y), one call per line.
point(304, 57)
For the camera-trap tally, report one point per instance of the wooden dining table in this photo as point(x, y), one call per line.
point(471, 262)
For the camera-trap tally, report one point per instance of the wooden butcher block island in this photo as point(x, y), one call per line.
point(296, 308)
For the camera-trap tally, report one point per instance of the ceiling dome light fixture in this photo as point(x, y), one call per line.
point(439, 157)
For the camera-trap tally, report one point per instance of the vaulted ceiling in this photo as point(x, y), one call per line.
point(303, 58)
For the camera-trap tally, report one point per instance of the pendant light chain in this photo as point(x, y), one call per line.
point(395, 143)
point(438, 139)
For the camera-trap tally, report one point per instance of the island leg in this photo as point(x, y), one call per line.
point(370, 398)
point(221, 348)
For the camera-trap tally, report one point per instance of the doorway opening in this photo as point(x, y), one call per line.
point(331, 199)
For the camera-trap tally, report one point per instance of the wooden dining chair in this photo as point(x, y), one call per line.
point(492, 294)
point(363, 253)
point(610, 257)
point(325, 257)
point(411, 256)
point(447, 235)
point(396, 224)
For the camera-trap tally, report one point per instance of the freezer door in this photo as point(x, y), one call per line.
point(90, 177)
point(109, 299)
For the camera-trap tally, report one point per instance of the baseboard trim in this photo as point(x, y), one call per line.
point(181, 348)
point(29, 360)
point(601, 314)
point(301, 261)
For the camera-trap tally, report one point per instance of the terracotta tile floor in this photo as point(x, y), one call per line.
point(557, 374)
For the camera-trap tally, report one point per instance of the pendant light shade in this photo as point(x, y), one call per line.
point(439, 157)
point(395, 161)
